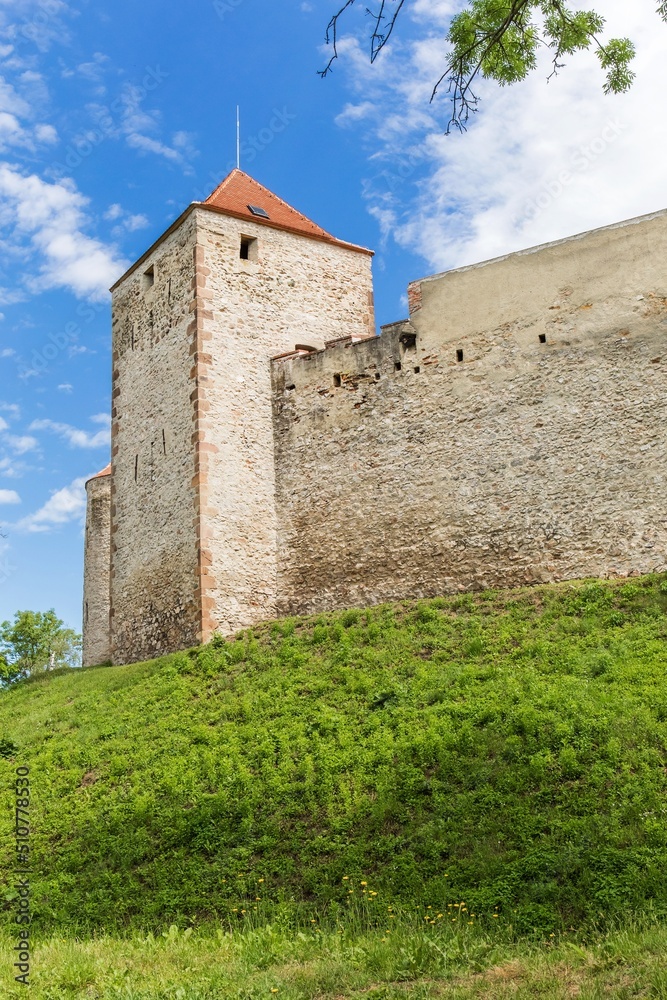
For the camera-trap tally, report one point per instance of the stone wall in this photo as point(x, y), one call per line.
point(514, 431)
point(156, 604)
point(292, 290)
point(96, 639)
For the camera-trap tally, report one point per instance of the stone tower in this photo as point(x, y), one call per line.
point(236, 280)
point(96, 597)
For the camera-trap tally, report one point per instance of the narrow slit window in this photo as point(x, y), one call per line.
point(136, 467)
point(164, 443)
point(337, 381)
point(249, 248)
point(543, 338)
point(149, 277)
point(459, 355)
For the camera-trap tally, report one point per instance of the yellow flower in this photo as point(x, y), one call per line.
point(345, 878)
point(274, 991)
point(495, 915)
point(260, 879)
point(440, 916)
point(363, 883)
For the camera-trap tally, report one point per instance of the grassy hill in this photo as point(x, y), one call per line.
point(505, 752)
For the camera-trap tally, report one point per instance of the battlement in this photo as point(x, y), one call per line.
point(272, 455)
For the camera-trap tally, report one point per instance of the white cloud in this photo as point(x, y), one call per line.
point(51, 217)
point(539, 162)
point(126, 221)
point(46, 134)
point(9, 496)
point(12, 408)
point(64, 505)
point(65, 387)
point(7, 352)
point(114, 212)
point(21, 443)
point(3, 425)
point(140, 127)
point(77, 438)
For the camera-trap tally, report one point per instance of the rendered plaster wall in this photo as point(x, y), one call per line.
point(540, 456)
point(293, 290)
point(96, 595)
point(156, 605)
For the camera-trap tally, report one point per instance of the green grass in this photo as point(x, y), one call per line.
point(508, 750)
point(410, 962)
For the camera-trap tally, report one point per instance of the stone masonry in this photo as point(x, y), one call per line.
point(97, 554)
point(271, 455)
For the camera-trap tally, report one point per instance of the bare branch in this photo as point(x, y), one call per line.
point(383, 26)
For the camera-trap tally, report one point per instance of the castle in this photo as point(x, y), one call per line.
point(271, 455)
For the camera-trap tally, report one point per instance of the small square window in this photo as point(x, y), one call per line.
point(249, 248)
point(459, 355)
point(543, 338)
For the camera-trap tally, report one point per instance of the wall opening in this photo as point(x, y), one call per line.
point(377, 376)
point(164, 443)
point(543, 338)
point(249, 248)
point(417, 369)
point(149, 278)
point(136, 467)
point(397, 366)
point(459, 355)
point(338, 381)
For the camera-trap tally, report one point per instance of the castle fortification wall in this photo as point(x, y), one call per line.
point(522, 437)
point(291, 290)
point(156, 603)
point(96, 595)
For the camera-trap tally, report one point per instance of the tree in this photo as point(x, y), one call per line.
point(499, 40)
point(36, 641)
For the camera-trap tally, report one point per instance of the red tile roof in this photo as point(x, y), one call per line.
point(239, 191)
point(104, 472)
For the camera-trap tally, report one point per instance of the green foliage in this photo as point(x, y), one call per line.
point(500, 39)
point(34, 641)
point(508, 750)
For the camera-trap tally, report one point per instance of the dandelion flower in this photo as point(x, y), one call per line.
point(363, 883)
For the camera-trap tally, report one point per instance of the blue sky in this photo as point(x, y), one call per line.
point(114, 118)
